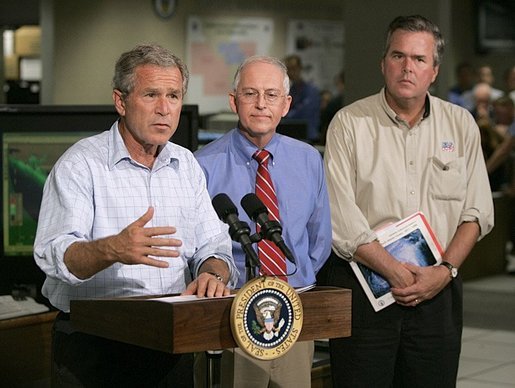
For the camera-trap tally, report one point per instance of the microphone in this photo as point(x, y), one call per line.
point(238, 230)
point(270, 229)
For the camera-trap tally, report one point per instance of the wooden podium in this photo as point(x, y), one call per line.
point(202, 324)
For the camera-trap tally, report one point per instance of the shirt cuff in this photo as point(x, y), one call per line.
point(485, 226)
point(233, 271)
point(58, 250)
point(347, 249)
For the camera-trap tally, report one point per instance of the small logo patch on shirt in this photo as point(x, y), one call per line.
point(448, 146)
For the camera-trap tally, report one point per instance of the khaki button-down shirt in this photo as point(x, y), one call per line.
point(379, 170)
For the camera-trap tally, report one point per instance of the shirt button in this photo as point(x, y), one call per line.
point(412, 192)
point(411, 163)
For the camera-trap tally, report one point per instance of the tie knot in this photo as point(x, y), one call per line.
point(261, 156)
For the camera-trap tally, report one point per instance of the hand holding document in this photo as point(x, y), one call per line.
point(410, 240)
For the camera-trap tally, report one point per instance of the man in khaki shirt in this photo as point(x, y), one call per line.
point(388, 156)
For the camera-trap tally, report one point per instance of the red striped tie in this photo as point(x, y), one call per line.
point(271, 257)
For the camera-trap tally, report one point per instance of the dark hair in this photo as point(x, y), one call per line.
point(417, 23)
point(293, 58)
point(149, 54)
point(504, 101)
point(508, 71)
point(464, 66)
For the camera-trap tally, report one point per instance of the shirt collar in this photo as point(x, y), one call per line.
point(245, 148)
point(391, 113)
point(118, 151)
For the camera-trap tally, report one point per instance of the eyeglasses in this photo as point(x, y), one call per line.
point(250, 96)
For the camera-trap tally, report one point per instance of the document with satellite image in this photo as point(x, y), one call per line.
point(410, 240)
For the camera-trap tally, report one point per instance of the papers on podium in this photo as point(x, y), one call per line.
point(12, 308)
point(192, 298)
point(410, 240)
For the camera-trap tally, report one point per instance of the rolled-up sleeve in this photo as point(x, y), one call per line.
point(478, 206)
point(65, 217)
point(350, 227)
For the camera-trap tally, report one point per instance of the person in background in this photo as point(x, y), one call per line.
point(482, 97)
point(504, 125)
point(504, 114)
point(305, 104)
point(325, 98)
point(388, 156)
point(260, 97)
point(125, 213)
point(461, 93)
point(504, 156)
point(510, 245)
point(492, 144)
point(509, 82)
point(334, 105)
point(485, 74)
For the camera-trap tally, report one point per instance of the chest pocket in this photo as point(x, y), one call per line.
point(447, 181)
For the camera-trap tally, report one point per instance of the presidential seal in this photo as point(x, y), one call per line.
point(266, 317)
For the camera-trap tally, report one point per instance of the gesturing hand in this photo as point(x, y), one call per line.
point(136, 244)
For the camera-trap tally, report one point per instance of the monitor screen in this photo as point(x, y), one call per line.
point(27, 158)
point(33, 138)
point(495, 26)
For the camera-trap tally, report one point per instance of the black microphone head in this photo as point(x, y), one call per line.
point(253, 206)
point(223, 206)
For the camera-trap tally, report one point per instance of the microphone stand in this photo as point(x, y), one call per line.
point(251, 265)
point(213, 357)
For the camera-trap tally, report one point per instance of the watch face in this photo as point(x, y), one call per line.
point(453, 270)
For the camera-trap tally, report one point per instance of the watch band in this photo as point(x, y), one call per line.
point(216, 275)
point(453, 271)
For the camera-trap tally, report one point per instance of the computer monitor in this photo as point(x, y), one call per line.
point(27, 158)
point(33, 138)
point(86, 118)
point(296, 128)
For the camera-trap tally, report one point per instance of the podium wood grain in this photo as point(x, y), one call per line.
point(25, 349)
point(199, 325)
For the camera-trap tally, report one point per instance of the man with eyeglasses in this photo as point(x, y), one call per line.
point(260, 97)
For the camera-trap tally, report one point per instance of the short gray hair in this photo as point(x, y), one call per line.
point(146, 54)
point(417, 23)
point(265, 59)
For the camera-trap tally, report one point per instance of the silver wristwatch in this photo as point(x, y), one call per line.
point(452, 269)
